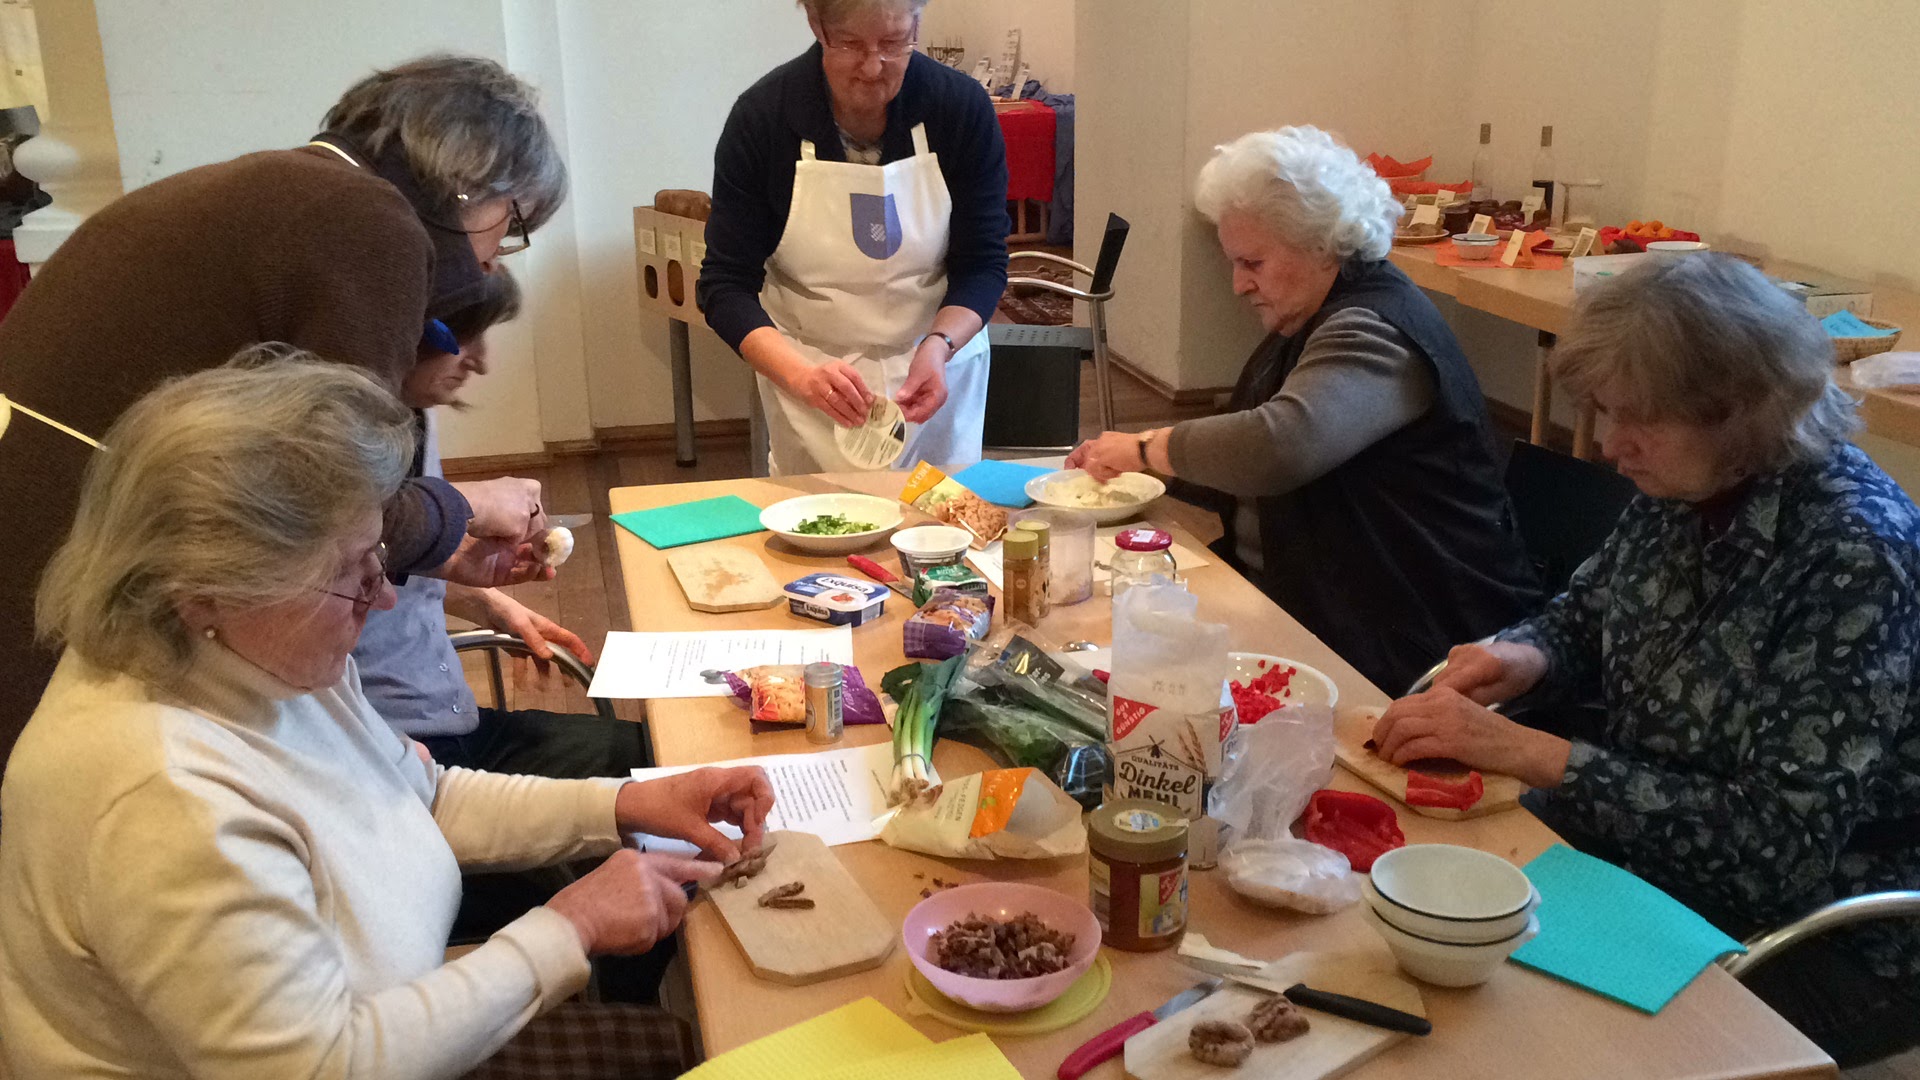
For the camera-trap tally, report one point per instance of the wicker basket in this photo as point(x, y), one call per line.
point(1848, 349)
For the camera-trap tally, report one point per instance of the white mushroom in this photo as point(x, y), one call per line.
point(557, 546)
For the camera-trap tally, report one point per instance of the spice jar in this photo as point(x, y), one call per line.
point(1142, 557)
point(1043, 531)
point(1137, 865)
point(1020, 575)
point(824, 686)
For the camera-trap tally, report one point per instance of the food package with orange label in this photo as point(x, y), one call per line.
point(1000, 814)
point(948, 500)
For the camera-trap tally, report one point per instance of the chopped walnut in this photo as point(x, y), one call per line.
point(985, 948)
point(1276, 1019)
point(783, 892)
point(743, 868)
point(796, 903)
point(1220, 1042)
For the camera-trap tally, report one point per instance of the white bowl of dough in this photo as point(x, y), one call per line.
point(1123, 497)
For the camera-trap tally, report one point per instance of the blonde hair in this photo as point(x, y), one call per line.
point(229, 486)
point(1310, 191)
point(1708, 340)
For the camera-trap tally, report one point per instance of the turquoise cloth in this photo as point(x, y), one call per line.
point(1846, 324)
point(692, 522)
point(1605, 929)
point(1002, 483)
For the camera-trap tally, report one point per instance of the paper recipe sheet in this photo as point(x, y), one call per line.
point(833, 794)
point(655, 665)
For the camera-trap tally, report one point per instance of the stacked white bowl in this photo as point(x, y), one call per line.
point(1450, 914)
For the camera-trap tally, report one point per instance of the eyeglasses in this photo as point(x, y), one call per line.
point(887, 52)
point(518, 239)
point(370, 589)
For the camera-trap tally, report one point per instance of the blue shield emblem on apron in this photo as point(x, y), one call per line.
point(876, 225)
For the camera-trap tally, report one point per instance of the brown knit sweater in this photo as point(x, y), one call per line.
point(175, 277)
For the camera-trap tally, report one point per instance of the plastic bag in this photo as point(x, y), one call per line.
point(1270, 770)
point(1886, 369)
point(945, 624)
point(1289, 873)
point(776, 694)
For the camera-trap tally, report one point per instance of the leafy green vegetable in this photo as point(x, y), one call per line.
point(832, 525)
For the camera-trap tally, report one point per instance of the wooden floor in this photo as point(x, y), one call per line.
point(588, 597)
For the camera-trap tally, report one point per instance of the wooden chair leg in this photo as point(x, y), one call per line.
point(1583, 434)
point(1542, 391)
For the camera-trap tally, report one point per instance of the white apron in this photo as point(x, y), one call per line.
point(858, 276)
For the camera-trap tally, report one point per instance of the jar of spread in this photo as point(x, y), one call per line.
point(1137, 863)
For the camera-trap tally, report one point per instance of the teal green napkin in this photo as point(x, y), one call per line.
point(1844, 323)
point(692, 522)
point(1605, 929)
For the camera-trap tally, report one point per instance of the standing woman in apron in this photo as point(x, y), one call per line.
point(858, 242)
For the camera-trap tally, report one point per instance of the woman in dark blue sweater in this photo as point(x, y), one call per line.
point(858, 240)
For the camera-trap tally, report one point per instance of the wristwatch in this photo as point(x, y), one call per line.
point(1146, 439)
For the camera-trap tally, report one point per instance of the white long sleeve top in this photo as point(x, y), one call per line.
point(238, 879)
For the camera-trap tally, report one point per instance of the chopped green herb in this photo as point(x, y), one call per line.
point(832, 525)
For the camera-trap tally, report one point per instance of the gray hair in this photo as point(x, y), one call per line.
point(467, 126)
point(229, 486)
point(1309, 190)
point(1708, 340)
point(830, 12)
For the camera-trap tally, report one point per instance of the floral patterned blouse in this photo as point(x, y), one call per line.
point(1761, 755)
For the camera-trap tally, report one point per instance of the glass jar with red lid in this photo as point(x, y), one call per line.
point(1143, 556)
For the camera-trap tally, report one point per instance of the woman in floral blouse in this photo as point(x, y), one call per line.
point(1749, 630)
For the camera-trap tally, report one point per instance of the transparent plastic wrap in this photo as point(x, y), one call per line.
point(1269, 770)
point(1296, 874)
point(1010, 699)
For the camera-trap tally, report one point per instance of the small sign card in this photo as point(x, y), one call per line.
point(1516, 250)
point(1482, 225)
point(1583, 244)
point(1426, 214)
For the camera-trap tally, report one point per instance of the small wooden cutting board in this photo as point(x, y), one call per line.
point(1351, 730)
point(1332, 1046)
point(841, 934)
point(723, 577)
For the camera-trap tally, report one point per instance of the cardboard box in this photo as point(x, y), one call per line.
point(1825, 294)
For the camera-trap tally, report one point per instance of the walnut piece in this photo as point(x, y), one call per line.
point(1276, 1019)
point(746, 866)
point(984, 948)
point(783, 892)
point(795, 903)
point(1220, 1042)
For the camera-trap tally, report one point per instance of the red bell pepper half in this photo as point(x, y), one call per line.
point(1456, 793)
point(1358, 826)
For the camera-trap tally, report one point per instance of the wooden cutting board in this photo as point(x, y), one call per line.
point(1332, 1046)
point(1351, 730)
point(843, 932)
point(724, 577)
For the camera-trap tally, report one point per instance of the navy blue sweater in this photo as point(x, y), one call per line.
point(753, 169)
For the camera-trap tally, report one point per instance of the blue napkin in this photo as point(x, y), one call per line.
point(1844, 323)
point(1605, 929)
point(1002, 483)
point(692, 522)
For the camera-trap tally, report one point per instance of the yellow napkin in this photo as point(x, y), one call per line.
point(972, 1057)
point(853, 1034)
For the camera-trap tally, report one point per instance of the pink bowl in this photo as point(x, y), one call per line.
point(1002, 900)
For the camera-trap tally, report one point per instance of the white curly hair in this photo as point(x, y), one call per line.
point(1310, 190)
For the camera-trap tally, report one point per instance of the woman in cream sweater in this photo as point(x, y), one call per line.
point(218, 860)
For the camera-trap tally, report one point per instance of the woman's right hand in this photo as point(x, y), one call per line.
point(834, 388)
point(1492, 673)
point(630, 902)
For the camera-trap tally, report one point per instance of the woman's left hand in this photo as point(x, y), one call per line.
point(1445, 723)
point(925, 389)
point(684, 805)
point(1108, 455)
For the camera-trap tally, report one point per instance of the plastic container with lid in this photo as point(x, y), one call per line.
point(1137, 866)
point(1142, 557)
point(838, 600)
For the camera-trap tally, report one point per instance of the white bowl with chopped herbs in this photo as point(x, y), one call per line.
point(834, 524)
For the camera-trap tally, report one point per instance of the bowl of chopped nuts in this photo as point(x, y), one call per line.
point(1001, 946)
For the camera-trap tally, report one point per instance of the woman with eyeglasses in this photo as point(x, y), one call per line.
point(351, 246)
point(219, 860)
point(858, 243)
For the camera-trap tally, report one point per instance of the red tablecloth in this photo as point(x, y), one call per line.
point(13, 277)
point(1028, 127)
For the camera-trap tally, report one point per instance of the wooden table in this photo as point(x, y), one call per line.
point(1520, 1024)
point(1543, 300)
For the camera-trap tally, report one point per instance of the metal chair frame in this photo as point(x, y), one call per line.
point(1097, 315)
point(496, 642)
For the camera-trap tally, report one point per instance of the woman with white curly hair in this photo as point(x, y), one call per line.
point(1354, 470)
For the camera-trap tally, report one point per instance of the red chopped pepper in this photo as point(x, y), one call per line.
point(1358, 826)
point(1461, 793)
point(1255, 698)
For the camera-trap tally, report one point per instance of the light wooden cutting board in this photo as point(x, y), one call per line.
point(1351, 730)
point(1332, 1046)
point(724, 577)
point(843, 933)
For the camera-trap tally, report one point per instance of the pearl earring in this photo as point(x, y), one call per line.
point(211, 633)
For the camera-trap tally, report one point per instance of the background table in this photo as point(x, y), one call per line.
point(1520, 1024)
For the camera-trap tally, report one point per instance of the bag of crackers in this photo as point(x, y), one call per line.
point(947, 499)
point(777, 694)
point(946, 624)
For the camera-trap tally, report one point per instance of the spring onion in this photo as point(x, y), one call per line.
point(920, 688)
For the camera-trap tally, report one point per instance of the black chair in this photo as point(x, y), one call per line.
point(1033, 390)
point(1564, 508)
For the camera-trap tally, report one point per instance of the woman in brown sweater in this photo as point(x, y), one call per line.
point(346, 247)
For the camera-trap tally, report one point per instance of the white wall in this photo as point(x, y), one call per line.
point(22, 81)
point(1046, 34)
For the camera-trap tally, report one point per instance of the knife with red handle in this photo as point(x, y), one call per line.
point(1109, 1043)
point(878, 573)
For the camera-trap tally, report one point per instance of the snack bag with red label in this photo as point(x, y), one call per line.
point(1168, 709)
point(1001, 814)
